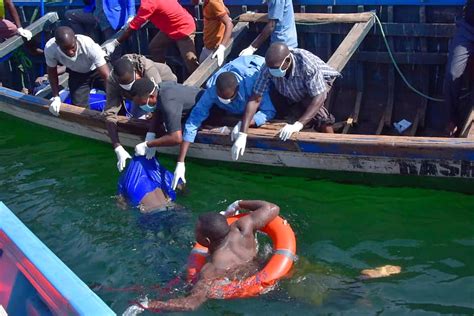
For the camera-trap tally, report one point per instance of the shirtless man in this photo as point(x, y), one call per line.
point(231, 247)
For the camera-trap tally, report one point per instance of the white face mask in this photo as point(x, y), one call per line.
point(128, 86)
point(224, 101)
point(73, 58)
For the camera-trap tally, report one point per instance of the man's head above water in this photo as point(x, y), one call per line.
point(211, 229)
point(66, 40)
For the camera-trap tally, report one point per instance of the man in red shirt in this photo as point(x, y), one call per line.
point(175, 25)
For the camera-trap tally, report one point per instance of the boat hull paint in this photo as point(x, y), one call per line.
point(371, 154)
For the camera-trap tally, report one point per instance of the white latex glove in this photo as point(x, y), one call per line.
point(178, 175)
point(248, 51)
point(239, 146)
point(130, 18)
point(150, 151)
point(232, 209)
point(289, 129)
point(135, 309)
point(235, 131)
point(122, 156)
point(110, 47)
point(140, 149)
point(25, 33)
point(219, 53)
point(55, 105)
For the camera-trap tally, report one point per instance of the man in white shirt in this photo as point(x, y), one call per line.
point(85, 62)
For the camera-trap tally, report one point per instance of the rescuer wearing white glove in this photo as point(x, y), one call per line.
point(248, 51)
point(219, 54)
point(178, 174)
point(110, 47)
point(235, 131)
point(239, 146)
point(289, 129)
point(55, 105)
point(25, 33)
point(122, 156)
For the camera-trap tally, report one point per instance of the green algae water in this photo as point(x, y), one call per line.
point(62, 187)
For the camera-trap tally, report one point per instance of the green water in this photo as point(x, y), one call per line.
point(62, 187)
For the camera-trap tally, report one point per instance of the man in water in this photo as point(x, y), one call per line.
point(147, 185)
point(231, 247)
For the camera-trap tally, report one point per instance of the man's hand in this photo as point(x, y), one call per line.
point(25, 33)
point(150, 151)
point(289, 129)
point(235, 131)
point(122, 156)
point(219, 53)
point(238, 148)
point(140, 149)
point(178, 175)
point(232, 209)
point(248, 51)
point(55, 105)
point(110, 47)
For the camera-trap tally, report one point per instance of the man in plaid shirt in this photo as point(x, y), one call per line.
point(300, 84)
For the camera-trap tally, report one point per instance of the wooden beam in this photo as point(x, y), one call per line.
point(36, 27)
point(350, 44)
point(313, 17)
point(468, 128)
point(209, 65)
point(425, 73)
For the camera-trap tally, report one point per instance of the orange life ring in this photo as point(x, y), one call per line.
point(284, 254)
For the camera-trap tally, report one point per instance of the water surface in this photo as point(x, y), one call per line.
point(62, 187)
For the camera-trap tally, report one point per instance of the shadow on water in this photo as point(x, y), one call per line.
point(63, 188)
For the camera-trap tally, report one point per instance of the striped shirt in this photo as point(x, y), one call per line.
point(309, 77)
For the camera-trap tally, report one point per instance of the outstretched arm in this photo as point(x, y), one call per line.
point(250, 110)
point(313, 108)
point(13, 12)
point(262, 213)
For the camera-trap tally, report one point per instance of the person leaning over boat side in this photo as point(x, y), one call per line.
point(460, 51)
point(9, 28)
point(175, 25)
point(280, 26)
point(300, 80)
point(217, 30)
point(126, 71)
point(168, 101)
point(232, 252)
point(84, 61)
point(229, 89)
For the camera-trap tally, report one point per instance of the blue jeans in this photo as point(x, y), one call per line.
point(461, 49)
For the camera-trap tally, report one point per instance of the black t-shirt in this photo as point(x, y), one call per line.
point(469, 12)
point(174, 100)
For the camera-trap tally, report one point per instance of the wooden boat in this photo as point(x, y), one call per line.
point(366, 150)
point(33, 281)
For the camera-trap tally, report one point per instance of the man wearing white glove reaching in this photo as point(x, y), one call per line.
point(9, 28)
point(84, 61)
point(228, 89)
point(217, 30)
point(280, 27)
point(300, 80)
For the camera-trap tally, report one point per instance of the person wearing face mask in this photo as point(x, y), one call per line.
point(84, 61)
point(168, 101)
point(300, 80)
point(126, 71)
point(281, 26)
point(228, 89)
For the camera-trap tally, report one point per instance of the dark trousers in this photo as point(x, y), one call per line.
point(461, 49)
point(80, 85)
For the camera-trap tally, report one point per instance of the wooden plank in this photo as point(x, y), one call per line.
point(36, 27)
point(350, 44)
point(209, 65)
point(468, 128)
point(425, 74)
point(434, 30)
point(387, 116)
point(313, 17)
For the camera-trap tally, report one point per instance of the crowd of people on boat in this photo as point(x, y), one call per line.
point(288, 83)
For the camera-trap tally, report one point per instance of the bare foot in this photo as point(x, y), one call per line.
point(381, 272)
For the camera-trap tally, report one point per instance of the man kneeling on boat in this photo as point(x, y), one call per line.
point(84, 61)
point(147, 185)
point(168, 101)
point(300, 83)
point(232, 250)
point(229, 89)
point(126, 71)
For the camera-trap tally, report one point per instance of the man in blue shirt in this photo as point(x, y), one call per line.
point(229, 89)
point(281, 26)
